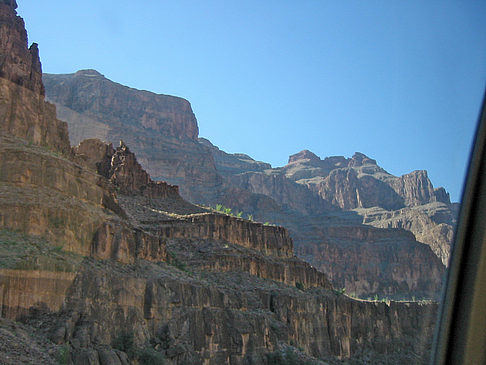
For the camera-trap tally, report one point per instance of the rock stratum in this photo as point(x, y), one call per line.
point(100, 264)
point(309, 195)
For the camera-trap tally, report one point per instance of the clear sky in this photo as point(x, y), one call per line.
point(401, 81)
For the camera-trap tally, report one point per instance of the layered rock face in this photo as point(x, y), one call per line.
point(121, 168)
point(299, 196)
point(105, 266)
point(161, 129)
point(359, 182)
point(23, 111)
point(382, 200)
point(432, 223)
point(212, 304)
point(321, 197)
point(364, 261)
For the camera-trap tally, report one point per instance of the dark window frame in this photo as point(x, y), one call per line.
point(461, 331)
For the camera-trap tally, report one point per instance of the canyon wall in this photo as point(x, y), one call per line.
point(301, 195)
point(161, 129)
point(90, 275)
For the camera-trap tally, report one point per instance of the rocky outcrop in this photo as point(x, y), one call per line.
point(416, 189)
point(359, 182)
point(25, 289)
point(160, 129)
point(121, 168)
point(304, 155)
point(19, 64)
point(268, 239)
point(292, 272)
point(98, 96)
point(23, 111)
point(345, 189)
point(68, 204)
point(125, 244)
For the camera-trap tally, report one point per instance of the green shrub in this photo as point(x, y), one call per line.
point(288, 358)
point(63, 354)
point(299, 285)
point(148, 356)
point(274, 358)
point(340, 291)
point(174, 261)
point(291, 358)
point(124, 342)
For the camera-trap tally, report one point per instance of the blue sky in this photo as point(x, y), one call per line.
point(401, 81)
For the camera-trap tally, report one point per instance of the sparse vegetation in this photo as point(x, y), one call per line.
point(288, 357)
point(125, 342)
point(340, 291)
point(24, 252)
point(174, 261)
point(228, 211)
point(149, 356)
point(145, 356)
point(63, 354)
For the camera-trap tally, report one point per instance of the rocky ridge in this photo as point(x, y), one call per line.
point(93, 283)
point(409, 202)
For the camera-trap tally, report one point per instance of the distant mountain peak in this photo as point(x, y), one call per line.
point(89, 73)
point(304, 155)
point(360, 159)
